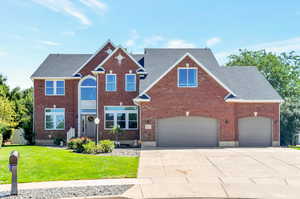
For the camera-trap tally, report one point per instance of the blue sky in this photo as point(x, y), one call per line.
point(31, 29)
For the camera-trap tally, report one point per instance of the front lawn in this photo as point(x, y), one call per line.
point(49, 164)
point(294, 147)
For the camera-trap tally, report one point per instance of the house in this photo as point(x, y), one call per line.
point(163, 97)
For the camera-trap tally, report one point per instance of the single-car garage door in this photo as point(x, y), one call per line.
point(187, 132)
point(255, 131)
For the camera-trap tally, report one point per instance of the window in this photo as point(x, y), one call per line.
point(111, 82)
point(56, 87)
point(123, 116)
point(88, 89)
point(187, 77)
point(54, 118)
point(130, 82)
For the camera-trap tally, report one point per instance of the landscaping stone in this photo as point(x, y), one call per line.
point(130, 152)
point(68, 192)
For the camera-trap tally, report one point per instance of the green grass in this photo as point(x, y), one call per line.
point(49, 164)
point(294, 147)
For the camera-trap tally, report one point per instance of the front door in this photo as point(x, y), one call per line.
point(88, 126)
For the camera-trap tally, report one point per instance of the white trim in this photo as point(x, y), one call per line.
point(85, 63)
point(54, 87)
point(54, 113)
point(226, 96)
point(115, 82)
point(79, 100)
point(198, 63)
point(136, 100)
point(108, 57)
point(180, 68)
point(55, 78)
point(130, 74)
point(126, 112)
point(254, 101)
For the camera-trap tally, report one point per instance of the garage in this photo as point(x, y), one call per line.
point(255, 132)
point(187, 132)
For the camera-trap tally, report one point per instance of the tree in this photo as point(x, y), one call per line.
point(7, 117)
point(283, 73)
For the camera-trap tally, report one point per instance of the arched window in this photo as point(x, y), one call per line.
point(88, 89)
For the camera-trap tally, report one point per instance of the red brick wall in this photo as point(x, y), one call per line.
point(41, 101)
point(167, 100)
point(120, 96)
point(86, 70)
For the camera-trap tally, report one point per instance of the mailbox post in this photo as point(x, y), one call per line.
point(13, 165)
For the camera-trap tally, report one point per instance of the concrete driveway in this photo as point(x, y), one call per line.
point(224, 173)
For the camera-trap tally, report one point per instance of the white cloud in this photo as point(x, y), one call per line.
point(49, 43)
point(133, 36)
point(66, 7)
point(153, 40)
point(3, 53)
point(287, 45)
point(177, 43)
point(68, 33)
point(95, 4)
point(213, 41)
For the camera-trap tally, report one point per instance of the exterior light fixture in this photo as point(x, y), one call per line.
point(187, 65)
point(121, 103)
point(255, 114)
point(187, 113)
point(97, 121)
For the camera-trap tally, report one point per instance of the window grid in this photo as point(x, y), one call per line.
point(57, 118)
point(54, 87)
point(130, 84)
point(186, 82)
point(117, 119)
point(111, 85)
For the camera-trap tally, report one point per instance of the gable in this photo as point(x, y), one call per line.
point(189, 59)
point(119, 59)
point(96, 59)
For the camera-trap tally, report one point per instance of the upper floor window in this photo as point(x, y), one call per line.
point(54, 118)
point(130, 82)
point(55, 87)
point(88, 89)
point(187, 77)
point(111, 82)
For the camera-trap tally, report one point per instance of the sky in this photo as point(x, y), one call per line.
point(31, 29)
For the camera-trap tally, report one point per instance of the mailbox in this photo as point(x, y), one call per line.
point(13, 163)
point(13, 158)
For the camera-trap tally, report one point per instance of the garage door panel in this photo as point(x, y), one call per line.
point(255, 131)
point(187, 132)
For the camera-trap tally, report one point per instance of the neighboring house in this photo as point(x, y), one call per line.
point(164, 97)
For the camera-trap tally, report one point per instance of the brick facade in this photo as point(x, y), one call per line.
point(120, 97)
point(207, 100)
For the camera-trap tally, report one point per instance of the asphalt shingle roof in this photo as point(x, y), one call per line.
point(246, 82)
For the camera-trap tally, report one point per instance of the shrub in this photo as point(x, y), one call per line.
point(107, 146)
point(77, 144)
point(1, 140)
point(89, 147)
point(57, 141)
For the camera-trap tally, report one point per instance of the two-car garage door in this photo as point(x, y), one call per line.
point(187, 132)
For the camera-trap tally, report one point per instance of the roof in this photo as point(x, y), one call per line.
point(60, 65)
point(248, 83)
point(158, 60)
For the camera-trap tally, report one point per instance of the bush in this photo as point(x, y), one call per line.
point(107, 146)
point(1, 140)
point(77, 144)
point(89, 147)
point(57, 141)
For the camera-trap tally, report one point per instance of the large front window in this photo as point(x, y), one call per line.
point(54, 118)
point(55, 87)
point(123, 116)
point(111, 82)
point(130, 82)
point(88, 89)
point(187, 77)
